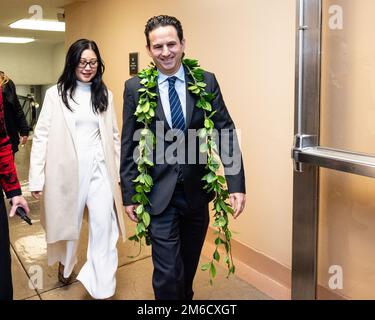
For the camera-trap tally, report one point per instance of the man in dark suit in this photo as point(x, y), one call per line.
point(179, 204)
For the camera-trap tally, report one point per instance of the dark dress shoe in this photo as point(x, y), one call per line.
point(61, 277)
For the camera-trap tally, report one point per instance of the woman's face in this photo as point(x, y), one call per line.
point(87, 66)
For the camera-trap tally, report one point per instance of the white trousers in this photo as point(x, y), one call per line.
point(98, 274)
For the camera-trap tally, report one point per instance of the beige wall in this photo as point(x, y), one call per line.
point(249, 44)
point(32, 63)
point(58, 60)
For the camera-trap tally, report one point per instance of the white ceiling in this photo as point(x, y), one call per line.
point(12, 10)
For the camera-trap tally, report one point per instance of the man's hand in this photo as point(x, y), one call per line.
point(237, 202)
point(18, 201)
point(130, 211)
point(36, 194)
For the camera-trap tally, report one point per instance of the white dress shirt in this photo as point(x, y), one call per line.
point(180, 88)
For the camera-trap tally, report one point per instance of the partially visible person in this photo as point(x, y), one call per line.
point(10, 185)
point(15, 120)
point(74, 160)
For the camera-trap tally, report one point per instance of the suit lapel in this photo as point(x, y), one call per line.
point(190, 101)
point(102, 128)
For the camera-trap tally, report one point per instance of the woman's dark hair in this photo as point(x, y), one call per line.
point(163, 21)
point(67, 82)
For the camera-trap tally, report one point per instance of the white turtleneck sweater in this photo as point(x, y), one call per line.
point(87, 122)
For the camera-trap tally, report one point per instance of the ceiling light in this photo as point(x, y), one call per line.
point(45, 25)
point(15, 40)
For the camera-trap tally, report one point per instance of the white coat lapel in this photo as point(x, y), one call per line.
point(102, 129)
point(70, 120)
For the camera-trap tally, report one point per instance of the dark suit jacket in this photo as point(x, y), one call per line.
point(15, 119)
point(165, 175)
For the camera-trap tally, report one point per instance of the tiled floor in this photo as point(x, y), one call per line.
point(33, 279)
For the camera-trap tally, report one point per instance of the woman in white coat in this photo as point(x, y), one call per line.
point(74, 163)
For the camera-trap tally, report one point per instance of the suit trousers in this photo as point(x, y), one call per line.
point(177, 236)
point(6, 288)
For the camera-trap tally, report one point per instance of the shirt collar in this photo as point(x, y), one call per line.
point(180, 74)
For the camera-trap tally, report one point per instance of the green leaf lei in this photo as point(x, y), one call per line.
point(145, 113)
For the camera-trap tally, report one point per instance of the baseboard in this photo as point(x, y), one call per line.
point(262, 272)
point(325, 294)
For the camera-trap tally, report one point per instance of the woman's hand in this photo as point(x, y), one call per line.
point(36, 194)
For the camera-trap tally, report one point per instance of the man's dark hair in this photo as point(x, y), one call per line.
point(163, 21)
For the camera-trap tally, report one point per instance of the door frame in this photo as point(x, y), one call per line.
point(308, 155)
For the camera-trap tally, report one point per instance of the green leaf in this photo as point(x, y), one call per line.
point(146, 107)
point(151, 84)
point(232, 269)
point(221, 179)
point(211, 177)
point(139, 209)
point(228, 234)
point(207, 106)
point(146, 219)
point(218, 241)
point(214, 167)
point(209, 96)
point(137, 198)
point(205, 266)
point(201, 84)
point(208, 123)
point(201, 103)
point(213, 145)
point(191, 63)
point(202, 133)
point(216, 256)
point(203, 148)
point(148, 180)
point(216, 224)
point(148, 162)
point(222, 222)
point(140, 227)
point(138, 109)
point(211, 115)
point(144, 132)
point(212, 271)
point(134, 238)
point(217, 207)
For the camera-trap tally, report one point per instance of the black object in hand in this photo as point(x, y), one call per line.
point(22, 214)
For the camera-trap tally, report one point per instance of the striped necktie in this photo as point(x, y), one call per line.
point(178, 120)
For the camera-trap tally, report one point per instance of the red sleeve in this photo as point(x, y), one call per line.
point(8, 175)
